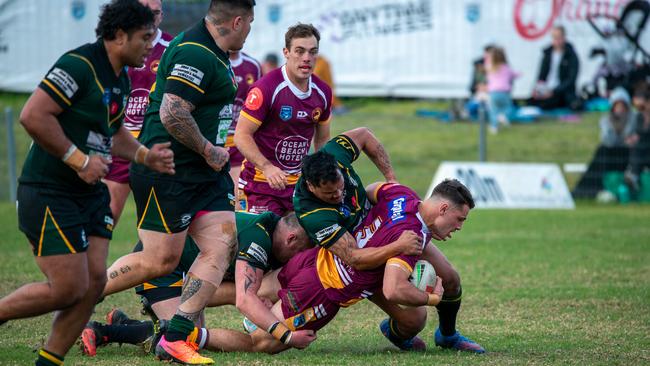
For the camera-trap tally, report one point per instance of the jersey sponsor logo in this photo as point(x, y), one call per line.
point(99, 144)
point(396, 209)
point(344, 143)
point(64, 81)
point(185, 219)
point(315, 114)
point(154, 66)
point(286, 112)
point(189, 73)
point(290, 151)
point(254, 99)
point(324, 233)
point(136, 106)
point(302, 114)
point(256, 251)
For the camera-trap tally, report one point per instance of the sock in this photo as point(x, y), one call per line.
point(47, 358)
point(132, 333)
point(179, 328)
point(199, 336)
point(447, 313)
point(393, 332)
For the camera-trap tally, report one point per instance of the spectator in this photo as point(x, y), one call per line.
point(478, 86)
point(499, 85)
point(639, 141)
point(556, 83)
point(270, 63)
point(619, 125)
point(323, 70)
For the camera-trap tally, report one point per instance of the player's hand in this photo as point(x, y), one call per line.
point(302, 338)
point(96, 169)
point(276, 177)
point(268, 303)
point(409, 243)
point(436, 296)
point(215, 156)
point(160, 158)
point(438, 289)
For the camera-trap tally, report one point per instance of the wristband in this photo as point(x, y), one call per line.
point(141, 154)
point(280, 332)
point(75, 158)
point(434, 299)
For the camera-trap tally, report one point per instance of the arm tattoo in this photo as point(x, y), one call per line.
point(251, 278)
point(176, 116)
point(381, 160)
point(344, 248)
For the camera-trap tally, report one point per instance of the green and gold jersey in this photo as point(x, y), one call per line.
point(195, 69)
point(326, 223)
point(83, 83)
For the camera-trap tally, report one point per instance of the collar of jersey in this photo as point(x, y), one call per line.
point(294, 89)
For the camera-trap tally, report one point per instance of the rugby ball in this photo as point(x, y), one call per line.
point(423, 276)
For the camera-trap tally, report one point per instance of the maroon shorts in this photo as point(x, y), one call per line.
point(304, 302)
point(119, 171)
point(236, 157)
point(256, 202)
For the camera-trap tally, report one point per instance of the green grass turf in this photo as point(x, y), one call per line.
point(543, 287)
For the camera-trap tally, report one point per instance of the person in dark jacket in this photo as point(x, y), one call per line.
point(556, 83)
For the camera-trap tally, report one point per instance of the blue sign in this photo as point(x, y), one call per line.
point(286, 112)
point(78, 9)
point(473, 12)
point(275, 13)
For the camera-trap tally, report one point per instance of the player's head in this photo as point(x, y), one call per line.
point(451, 202)
point(301, 50)
point(289, 238)
point(558, 37)
point(128, 26)
point(232, 19)
point(323, 177)
point(156, 8)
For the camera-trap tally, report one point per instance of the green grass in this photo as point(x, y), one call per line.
point(543, 287)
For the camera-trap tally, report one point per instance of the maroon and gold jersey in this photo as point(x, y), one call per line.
point(287, 118)
point(142, 80)
point(396, 211)
point(247, 71)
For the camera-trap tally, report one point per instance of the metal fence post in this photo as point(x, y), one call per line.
point(11, 153)
point(482, 143)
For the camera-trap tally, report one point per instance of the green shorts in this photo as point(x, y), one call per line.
point(168, 206)
point(57, 221)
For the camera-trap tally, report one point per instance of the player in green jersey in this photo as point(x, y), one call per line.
point(75, 120)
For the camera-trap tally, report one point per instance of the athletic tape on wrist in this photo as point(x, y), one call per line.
point(75, 158)
point(141, 154)
point(280, 332)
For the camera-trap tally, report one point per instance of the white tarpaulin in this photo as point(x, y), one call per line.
point(509, 185)
point(413, 48)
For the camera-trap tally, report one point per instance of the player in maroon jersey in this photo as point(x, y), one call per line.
point(284, 111)
point(142, 80)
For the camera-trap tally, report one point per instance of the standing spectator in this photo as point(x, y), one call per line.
point(499, 85)
point(323, 70)
point(556, 83)
point(271, 62)
point(639, 141)
point(142, 78)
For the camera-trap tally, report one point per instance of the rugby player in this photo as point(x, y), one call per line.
point(191, 105)
point(142, 79)
point(283, 112)
point(266, 242)
point(330, 202)
point(75, 120)
point(247, 71)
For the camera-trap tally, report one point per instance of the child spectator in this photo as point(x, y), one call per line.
point(499, 85)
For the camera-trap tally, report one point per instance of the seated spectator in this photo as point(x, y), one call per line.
point(477, 87)
point(556, 83)
point(639, 141)
point(612, 155)
point(499, 85)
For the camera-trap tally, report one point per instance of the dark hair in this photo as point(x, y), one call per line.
point(272, 58)
point(455, 192)
point(642, 90)
point(224, 10)
point(561, 29)
point(125, 15)
point(300, 30)
point(320, 167)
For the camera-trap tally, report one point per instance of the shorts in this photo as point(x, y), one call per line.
point(304, 302)
point(119, 171)
point(57, 221)
point(236, 157)
point(259, 203)
point(158, 294)
point(169, 206)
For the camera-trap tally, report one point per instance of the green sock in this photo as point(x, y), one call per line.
point(179, 328)
point(47, 358)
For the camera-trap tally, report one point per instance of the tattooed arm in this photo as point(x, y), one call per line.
point(248, 280)
point(366, 141)
point(373, 257)
point(176, 116)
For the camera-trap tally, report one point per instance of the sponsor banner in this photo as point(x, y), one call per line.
point(509, 185)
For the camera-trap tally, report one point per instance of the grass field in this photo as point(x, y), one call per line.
point(540, 287)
